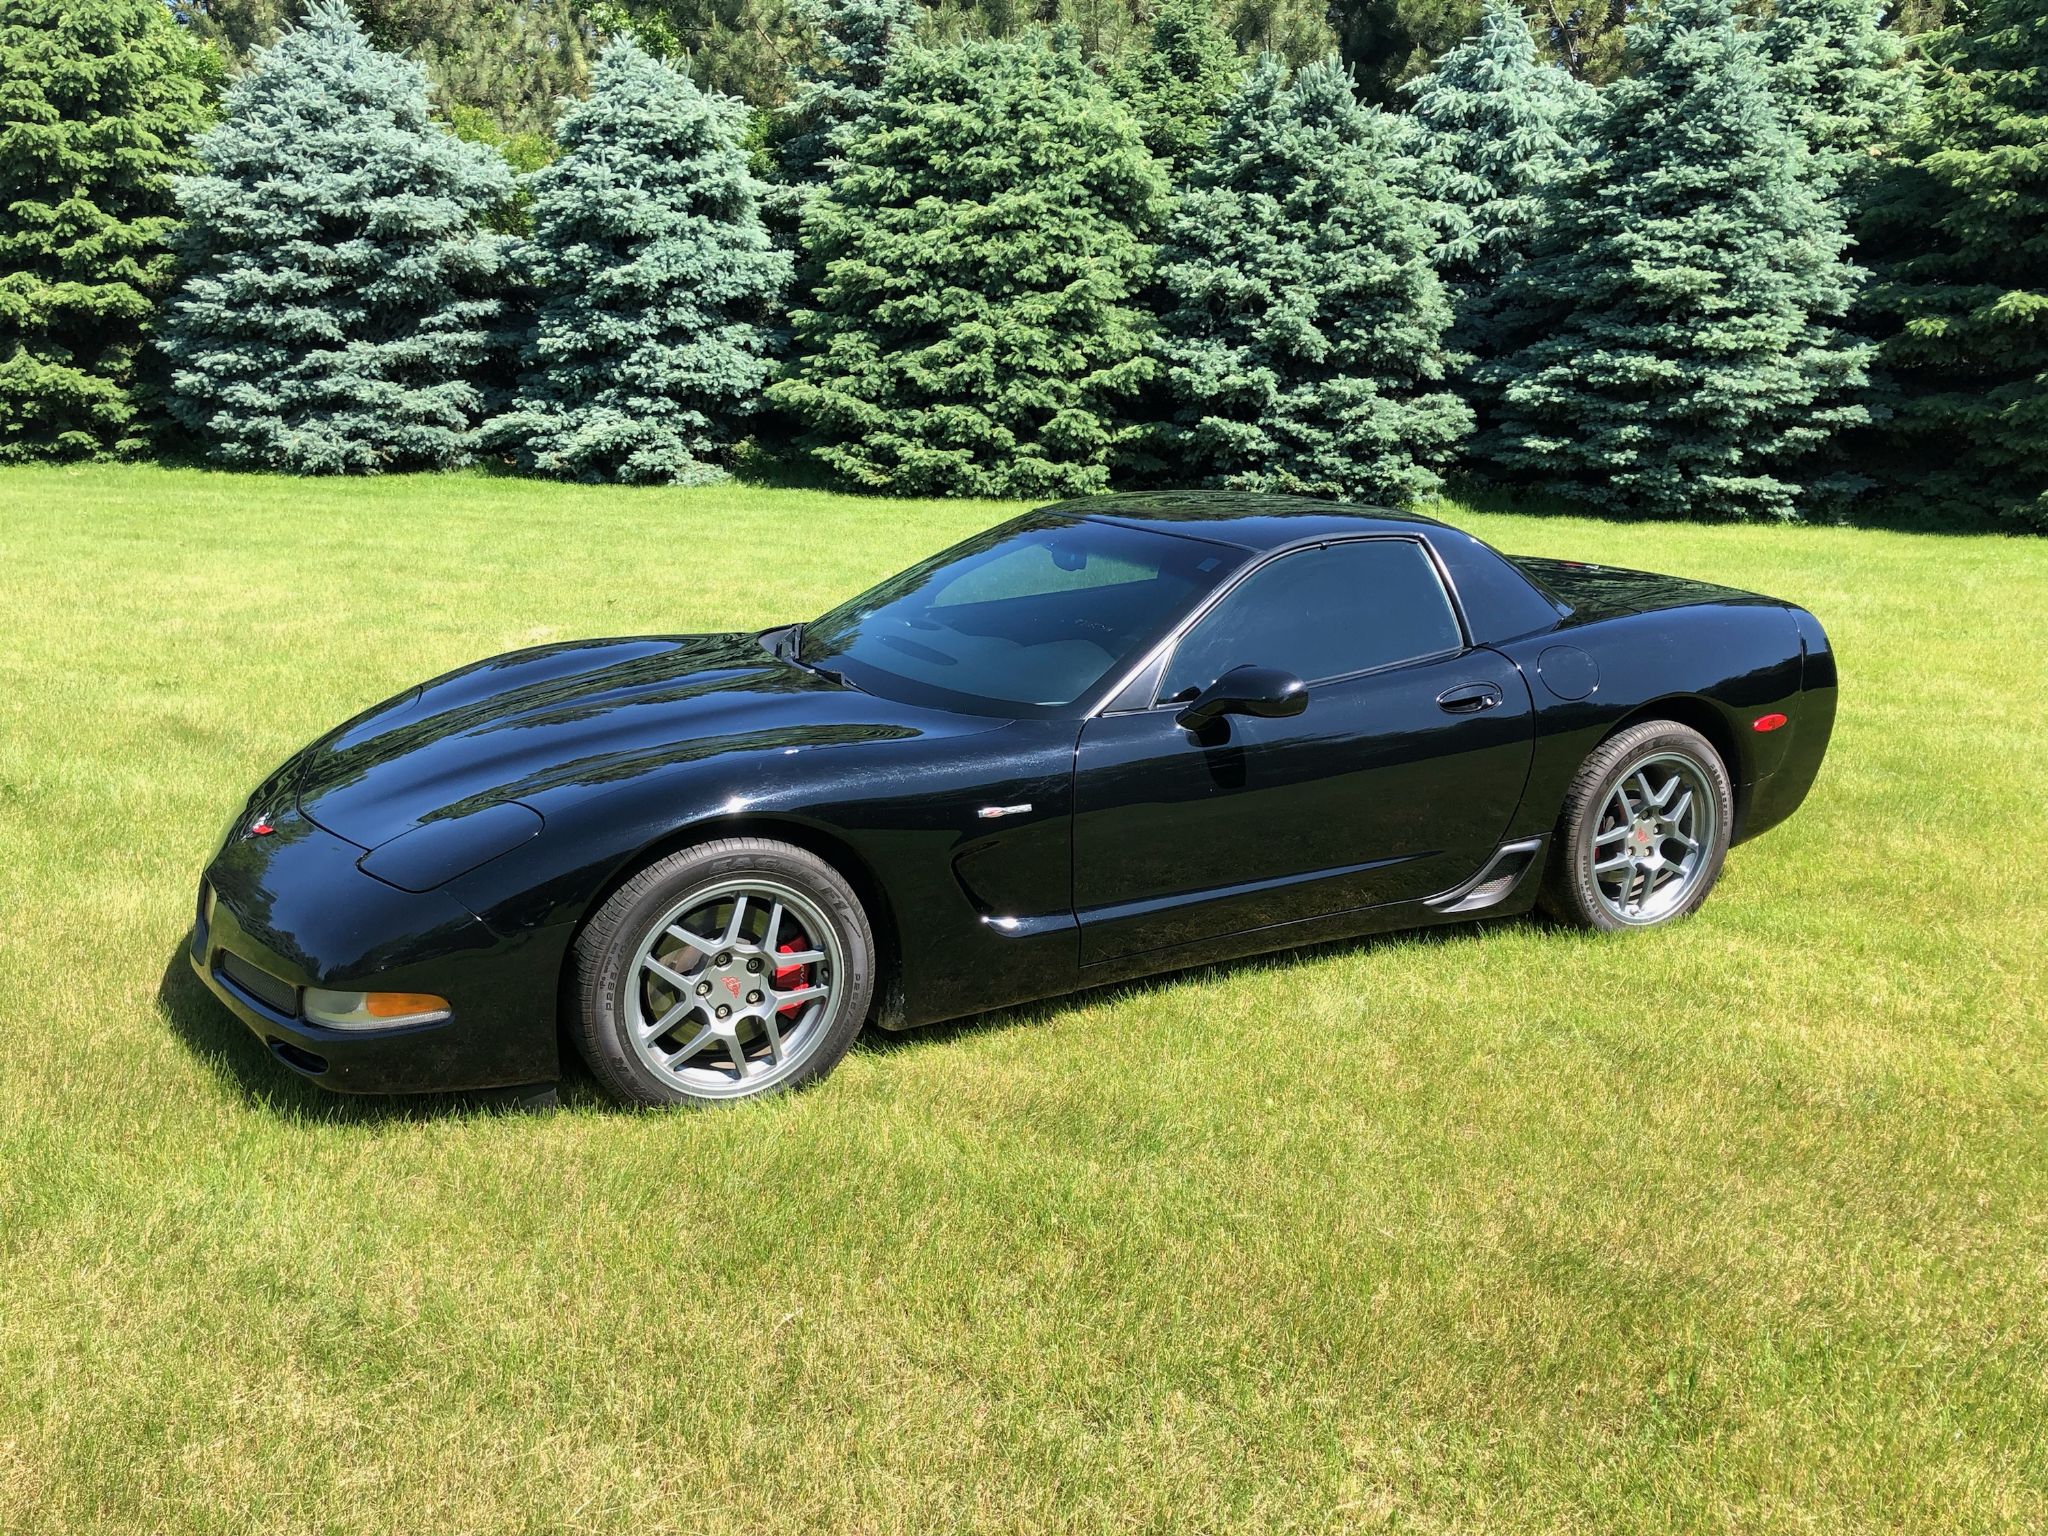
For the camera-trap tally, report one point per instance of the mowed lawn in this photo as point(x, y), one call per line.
point(1738, 1226)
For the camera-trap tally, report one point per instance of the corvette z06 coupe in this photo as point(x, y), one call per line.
point(1109, 738)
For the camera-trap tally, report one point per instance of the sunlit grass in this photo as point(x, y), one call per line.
point(1741, 1226)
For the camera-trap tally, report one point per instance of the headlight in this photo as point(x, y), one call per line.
point(372, 1010)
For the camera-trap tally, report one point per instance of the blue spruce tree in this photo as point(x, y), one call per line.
point(1839, 77)
point(340, 281)
point(657, 283)
point(1496, 124)
point(1681, 355)
point(1304, 349)
point(855, 39)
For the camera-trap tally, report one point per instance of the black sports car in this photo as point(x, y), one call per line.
point(1108, 738)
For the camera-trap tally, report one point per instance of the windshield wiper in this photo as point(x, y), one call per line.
point(788, 646)
point(832, 675)
point(785, 641)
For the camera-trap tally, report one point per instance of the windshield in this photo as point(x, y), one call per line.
point(1026, 619)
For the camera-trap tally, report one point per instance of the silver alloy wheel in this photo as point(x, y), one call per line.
point(734, 987)
point(1651, 844)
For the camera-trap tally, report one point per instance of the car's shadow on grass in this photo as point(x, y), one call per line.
point(1025, 1015)
point(239, 1061)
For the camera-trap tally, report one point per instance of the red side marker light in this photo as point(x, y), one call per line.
point(1767, 722)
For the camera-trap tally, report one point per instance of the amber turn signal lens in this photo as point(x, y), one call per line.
point(400, 1005)
point(372, 1010)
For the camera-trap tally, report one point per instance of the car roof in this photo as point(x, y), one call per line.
point(1248, 519)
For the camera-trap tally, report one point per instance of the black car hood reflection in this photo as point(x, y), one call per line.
point(519, 726)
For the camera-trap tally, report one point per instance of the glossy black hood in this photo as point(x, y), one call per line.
point(523, 726)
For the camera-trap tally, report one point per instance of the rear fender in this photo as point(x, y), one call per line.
point(1719, 667)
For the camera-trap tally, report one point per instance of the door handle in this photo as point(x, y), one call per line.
point(1468, 698)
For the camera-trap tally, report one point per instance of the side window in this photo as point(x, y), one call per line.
point(1321, 613)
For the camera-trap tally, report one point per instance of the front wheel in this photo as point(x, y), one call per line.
point(1645, 830)
point(725, 971)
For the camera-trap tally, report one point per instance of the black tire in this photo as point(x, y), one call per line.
point(1574, 893)
point(607, 1000)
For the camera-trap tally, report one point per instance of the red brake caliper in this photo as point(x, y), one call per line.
point(789, 977)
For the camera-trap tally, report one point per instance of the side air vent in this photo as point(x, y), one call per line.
point(1496, 882)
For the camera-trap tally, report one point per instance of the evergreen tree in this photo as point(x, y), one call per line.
point(975, 329)
point(1107, 32)
point(1496, 126)
point(1589, 38)
point(1389, 43)
point(525, 153)
point(1839, 78)
point(1304, 350)
point(833, 96)
point(1113, 34)
point(1298, 30)
point(1958, 231)
point(656, 279)
point(338, 291)
point(508, 59)
point(1914, 17)
point(1682, 357)
point(740, 48)
point(98, 99)
point(237, 28)
point(1180, 84)
point(513, 59)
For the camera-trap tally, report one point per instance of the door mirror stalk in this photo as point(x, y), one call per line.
point(1265, 692)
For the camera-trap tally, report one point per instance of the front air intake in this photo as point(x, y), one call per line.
point(273, 992)
point(296, 1057)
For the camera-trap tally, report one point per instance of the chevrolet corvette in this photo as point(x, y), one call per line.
point(1109, 738)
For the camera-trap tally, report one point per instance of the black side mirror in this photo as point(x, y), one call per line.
point(1266, 692)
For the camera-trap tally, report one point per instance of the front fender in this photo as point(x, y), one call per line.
point(983, 906)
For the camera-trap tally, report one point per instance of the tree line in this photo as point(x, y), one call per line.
point(508, 60)
point(1777, 266)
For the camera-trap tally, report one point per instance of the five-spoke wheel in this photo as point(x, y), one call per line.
point(730, 988)
point(726, 970)
point(1650, 846)
point(1645, 828)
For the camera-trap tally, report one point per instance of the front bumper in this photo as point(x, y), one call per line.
point(291, 910)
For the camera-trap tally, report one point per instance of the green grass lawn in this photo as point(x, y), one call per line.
point(1737, 1226)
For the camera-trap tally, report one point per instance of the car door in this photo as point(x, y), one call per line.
point(1396, 781)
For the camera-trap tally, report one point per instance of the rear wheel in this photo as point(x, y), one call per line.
point(725, 971)
point(1645, 830)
